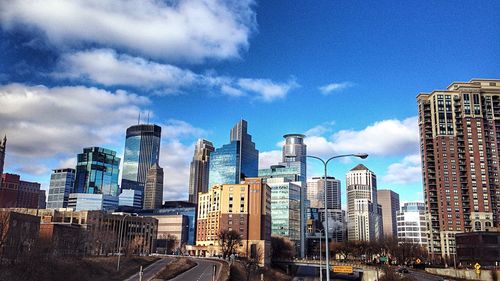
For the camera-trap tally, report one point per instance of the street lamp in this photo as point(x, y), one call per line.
point(325, 163)
point(120, 239)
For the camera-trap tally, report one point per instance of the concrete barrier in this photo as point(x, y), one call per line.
point(469, 274)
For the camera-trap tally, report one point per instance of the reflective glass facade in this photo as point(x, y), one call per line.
point(89, 202)
point(131, 198)
point(97, 171)
point(285, 209)
point(61, 185)
point(142, 150)
point(223, 165)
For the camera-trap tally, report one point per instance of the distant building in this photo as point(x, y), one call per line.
point(92, 202)
point(412, 223)
point(245, 208)
point(198, 177)
point(16, 193)
point(285, 208)
point(153, 191)
point(61, 185)
point(389, 200)
point(459, 141)
point(131, 198)
point(42, 202)
point(142, 150)
point(97, 171)
point(234, 161)
point(363, 210)
point(176, 208)
point(316, 194)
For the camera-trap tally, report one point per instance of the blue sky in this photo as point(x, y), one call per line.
point(346, 73)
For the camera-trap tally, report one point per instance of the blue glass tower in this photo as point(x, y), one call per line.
point(234, 161)
point(97, 171)
point(142, 150)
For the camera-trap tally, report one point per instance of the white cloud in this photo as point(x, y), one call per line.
point(268, 158)
point(405, 172)
point(175, 129)
point(175, 159)
point(335, 87)
point(34, 169)
point(383, 138)
point(267, 89)
point(43, 122)
point(106, 67)
point(320, 129)
point(183, 30)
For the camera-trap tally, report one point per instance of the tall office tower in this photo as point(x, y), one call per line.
point(198, 177)
point(142, 150)
point(316, 194)
point(97, 171)
point(245, 208)
point(285, 208)
point(294, 154)
point(61, 185)
point(389, 200)
point(460, 142)
point(412, 223)
point(234, 161)
point(363, 210)
point(153, 191)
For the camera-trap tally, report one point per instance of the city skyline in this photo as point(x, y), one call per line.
point(329, 84)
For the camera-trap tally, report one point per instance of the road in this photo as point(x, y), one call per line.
point(151, 270)
point(202, 272)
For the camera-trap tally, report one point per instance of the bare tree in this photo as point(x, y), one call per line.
point(282, 248)
point(229, 241)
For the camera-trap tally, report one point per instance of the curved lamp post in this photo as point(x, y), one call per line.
point(325, 164)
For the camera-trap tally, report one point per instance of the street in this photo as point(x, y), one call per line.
point(202, 272)
point(151, 270)
point(424, 276)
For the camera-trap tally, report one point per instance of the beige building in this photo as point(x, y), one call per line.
point(389, 200)
point(459, 141)
point(171, 227)
point(245, 208)
point(153, 190)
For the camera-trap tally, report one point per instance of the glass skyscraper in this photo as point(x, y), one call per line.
point(285, 208)
point(142, 150)
point(198, 176)
point(61, 185)
point(234, 161)
point(97, 171)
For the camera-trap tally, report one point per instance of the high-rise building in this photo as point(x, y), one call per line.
point(97, 171)
point(142, 150)
point(412, 223)
point(3, 148)
point(153, 191)
point(389, 200)
point(234, 161)
point(294, 155)
point(460, 141)
point(42, 202)
point(245, 208)
point(92, 202)
point(316, 193)
point(61, 185)
point(363, 210)
point(198, 177)
point(285, 208)
point(130, 198)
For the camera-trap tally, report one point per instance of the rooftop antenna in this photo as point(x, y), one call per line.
point(139, 118)
point(148, 118)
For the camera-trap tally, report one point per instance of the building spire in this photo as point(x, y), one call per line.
point(139, 118)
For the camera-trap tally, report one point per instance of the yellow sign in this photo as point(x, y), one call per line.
point(477, 266)
point(418, 261)
point(342, 269)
